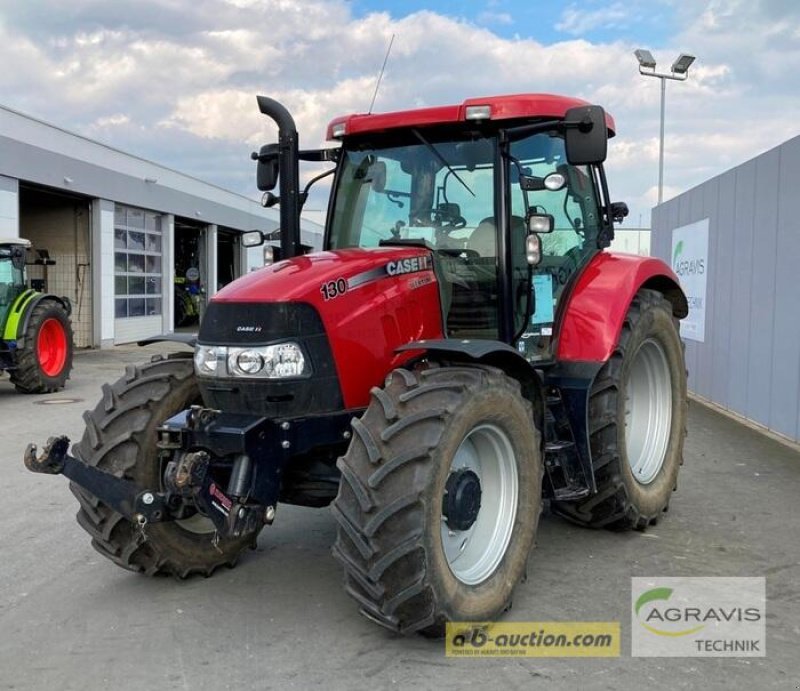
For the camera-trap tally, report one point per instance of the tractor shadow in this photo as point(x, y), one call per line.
point(292, 581)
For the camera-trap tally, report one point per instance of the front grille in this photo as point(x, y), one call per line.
point(242, 324)
point(258, 323)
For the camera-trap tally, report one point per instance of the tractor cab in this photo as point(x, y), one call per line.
point(12, 274)
point(509, 219)
point(507, 193)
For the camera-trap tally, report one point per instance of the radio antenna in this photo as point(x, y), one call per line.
point(380, 75)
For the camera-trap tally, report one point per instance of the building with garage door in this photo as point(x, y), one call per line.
point(138, 247)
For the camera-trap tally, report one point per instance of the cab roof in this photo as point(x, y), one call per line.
point(517, 106)
point(6, 241)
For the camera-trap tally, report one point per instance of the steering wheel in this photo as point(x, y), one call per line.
point(448, 221)
point(458, 252)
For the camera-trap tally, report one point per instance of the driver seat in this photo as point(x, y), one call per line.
point(484, 239)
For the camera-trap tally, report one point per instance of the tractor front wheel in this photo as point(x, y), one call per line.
point(120, 438)
point(44, 362)
point(439, 498)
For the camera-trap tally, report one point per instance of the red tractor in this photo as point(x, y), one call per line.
point(463, 349)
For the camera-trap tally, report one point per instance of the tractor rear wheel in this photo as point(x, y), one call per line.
point(44, 362)
point(120, 438)
point(637, 421)
point(439, 498)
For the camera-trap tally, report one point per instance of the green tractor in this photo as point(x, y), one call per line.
point(35, 330)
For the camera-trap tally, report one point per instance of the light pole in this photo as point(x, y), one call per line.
point(679, 72)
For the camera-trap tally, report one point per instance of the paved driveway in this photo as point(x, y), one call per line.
point(69, 619)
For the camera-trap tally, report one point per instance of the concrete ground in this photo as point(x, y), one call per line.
point(69, 619)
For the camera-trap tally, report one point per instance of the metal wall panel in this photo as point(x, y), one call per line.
point(762, 288)
point(9, 207)
point(703, 207)
point(786, 342)
point(722, 230)
point(750, 360)
point(743, 238)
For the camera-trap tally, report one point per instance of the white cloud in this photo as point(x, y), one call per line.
point(577, 21)
point(489, 18)
point(112, 121)
point(175, 81)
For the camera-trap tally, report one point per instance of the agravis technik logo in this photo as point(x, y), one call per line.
point(682, 617)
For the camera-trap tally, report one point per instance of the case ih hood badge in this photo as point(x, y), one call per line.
point(409, 266)
point(398, 267)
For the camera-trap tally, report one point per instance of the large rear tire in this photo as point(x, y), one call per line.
point(439, 499)
point(120, 438)
point(43, 364)
point(637, 420)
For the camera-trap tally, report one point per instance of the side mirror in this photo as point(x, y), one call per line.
point(252, 238)
point(586, 135)
point(540, 223)
point(267, 170)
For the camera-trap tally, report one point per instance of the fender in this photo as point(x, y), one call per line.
point(187, 339)
point(20, 313)
point(494, 353)
point(597, 306)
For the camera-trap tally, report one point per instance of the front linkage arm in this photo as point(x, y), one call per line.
point(202, 448)
point(187, 480)
point(140, 506)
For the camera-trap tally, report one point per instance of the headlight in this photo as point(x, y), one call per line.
point(278, 361)
point(284, 360)
point(245, 361)
point(207, 359)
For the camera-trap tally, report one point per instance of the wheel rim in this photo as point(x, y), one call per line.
point(474, 554)
point(648, 411)
point(51, 347)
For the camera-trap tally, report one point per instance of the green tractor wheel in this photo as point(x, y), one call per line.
point(44, 361)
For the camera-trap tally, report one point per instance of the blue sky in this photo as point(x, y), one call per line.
point(174, 81)
point(547, 21)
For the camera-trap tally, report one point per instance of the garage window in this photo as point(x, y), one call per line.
point(137, 263)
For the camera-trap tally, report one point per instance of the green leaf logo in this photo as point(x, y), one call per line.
point(656, 594)
point(677, 252)
point(651, 595)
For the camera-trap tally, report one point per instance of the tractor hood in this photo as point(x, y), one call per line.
point(366, 303)
point(305, 278)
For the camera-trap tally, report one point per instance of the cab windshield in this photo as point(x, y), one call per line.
point(11, 283)
point(423, 188)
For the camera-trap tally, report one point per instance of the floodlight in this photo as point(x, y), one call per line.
point(679, 72)
point(645, 58)
point(682, 64)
